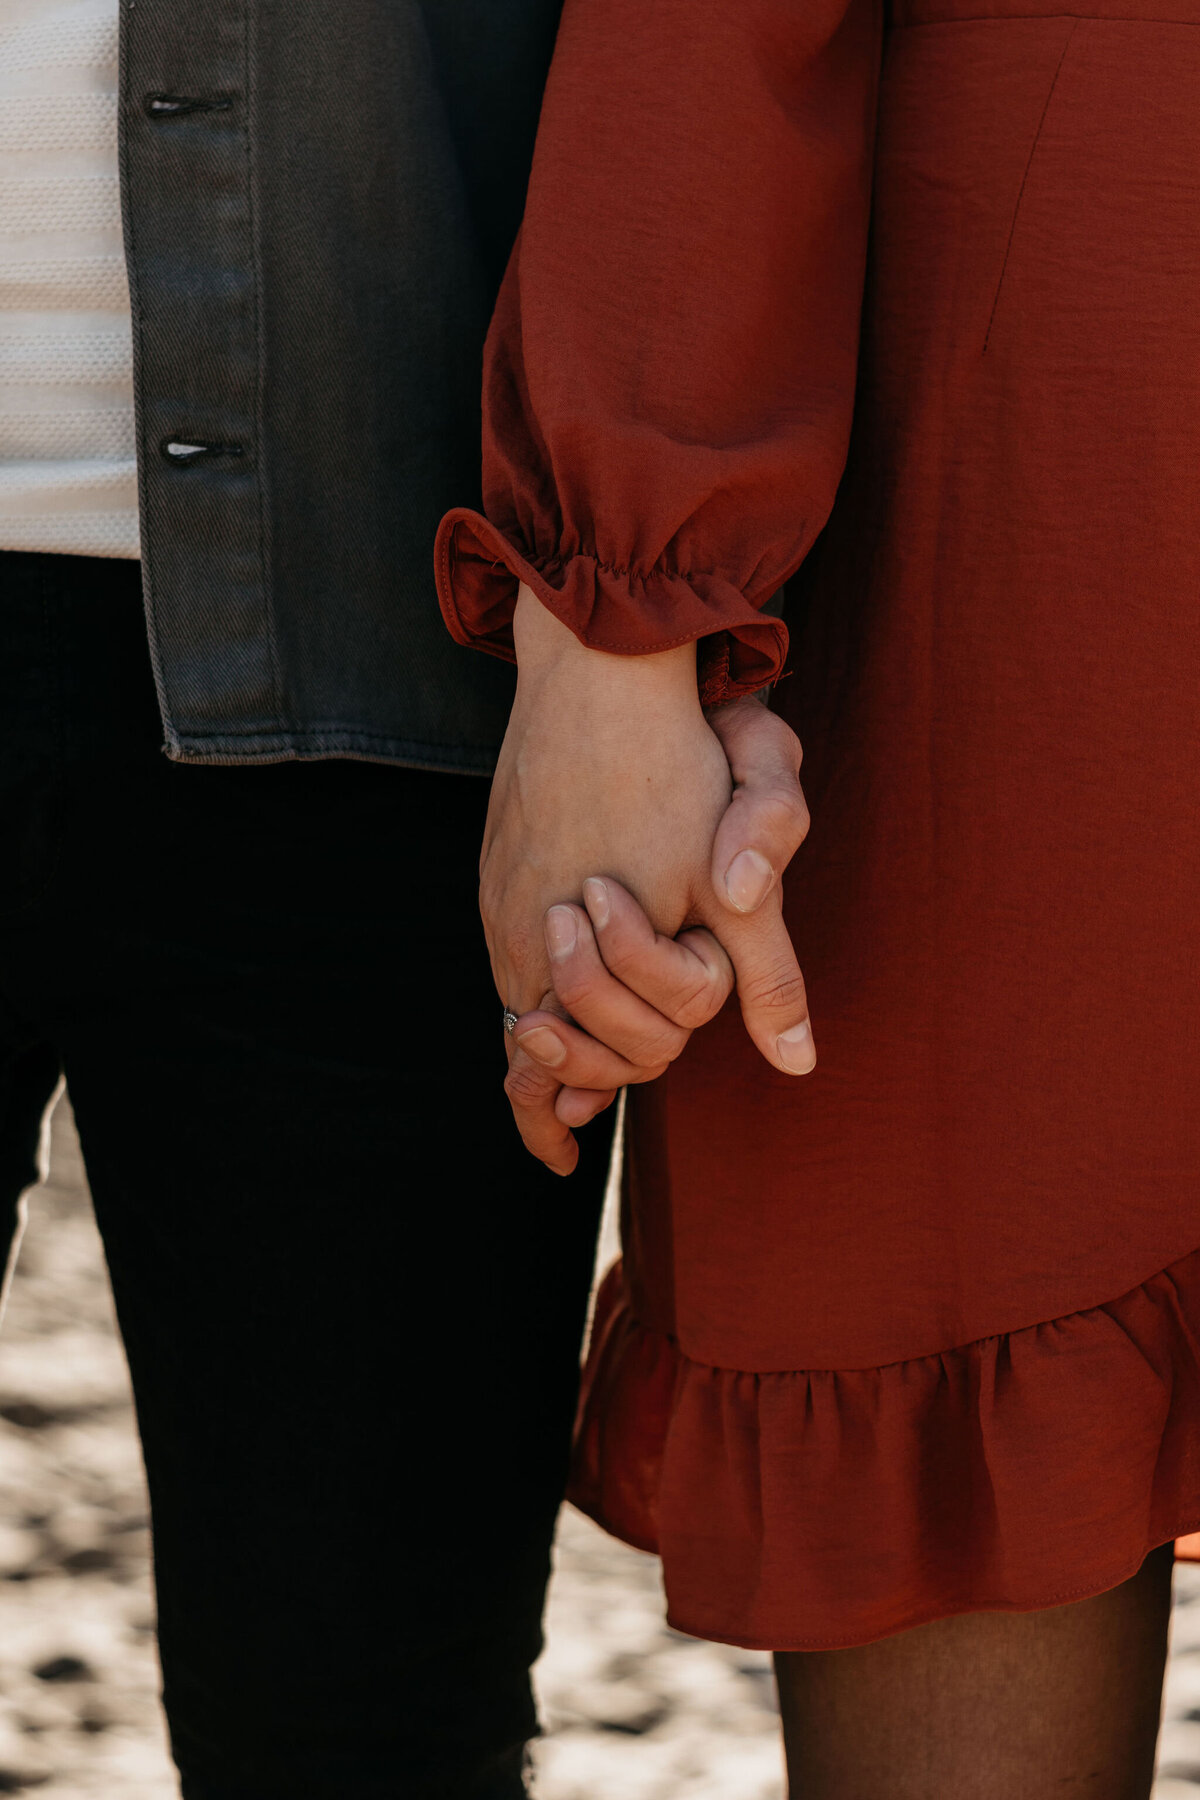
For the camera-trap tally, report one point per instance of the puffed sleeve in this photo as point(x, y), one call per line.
point(669, 374)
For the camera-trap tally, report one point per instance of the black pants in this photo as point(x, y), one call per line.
point(351, 1303)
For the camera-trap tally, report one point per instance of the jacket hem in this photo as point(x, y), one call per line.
point(233, 749)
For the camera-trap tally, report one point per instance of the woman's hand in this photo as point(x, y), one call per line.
point(609, 768)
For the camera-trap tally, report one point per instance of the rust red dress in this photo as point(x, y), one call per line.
point(921, 1333)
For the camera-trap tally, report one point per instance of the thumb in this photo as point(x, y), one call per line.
point(767, 820)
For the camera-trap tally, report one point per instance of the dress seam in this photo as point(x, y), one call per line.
point(900, 1362)
point(1029, 161)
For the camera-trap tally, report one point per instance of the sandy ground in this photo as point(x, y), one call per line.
point(632, 1710)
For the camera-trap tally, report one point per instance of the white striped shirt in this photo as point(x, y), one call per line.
point(68, 473)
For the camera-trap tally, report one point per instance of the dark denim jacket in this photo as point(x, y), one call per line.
point(319, 199)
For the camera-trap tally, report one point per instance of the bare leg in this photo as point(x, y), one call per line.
point(1048, 1705)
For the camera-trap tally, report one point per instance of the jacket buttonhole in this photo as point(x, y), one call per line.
point(177, 106)
point(182, 450)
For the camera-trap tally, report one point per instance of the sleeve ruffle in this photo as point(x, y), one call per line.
point(626, 612)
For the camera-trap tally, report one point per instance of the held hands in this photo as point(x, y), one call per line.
point(613, 785)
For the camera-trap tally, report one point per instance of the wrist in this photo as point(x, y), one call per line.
point(548, 651)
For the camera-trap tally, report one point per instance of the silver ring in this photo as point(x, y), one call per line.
point(510, 1019)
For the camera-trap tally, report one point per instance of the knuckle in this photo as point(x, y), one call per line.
point(521, 947)
point(696, 1004)
point(574, 986)
point(658, 1048)
point(642, 1073)
point(621, 958)
point(789, 743)
point(775, 990)
point(491, 895)
point(704, 991)
point(784, 808)
point(526, 1086)
point(519, 940)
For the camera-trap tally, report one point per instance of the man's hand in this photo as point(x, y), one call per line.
point(613, 960)
point(609, 767)
point(767, 820)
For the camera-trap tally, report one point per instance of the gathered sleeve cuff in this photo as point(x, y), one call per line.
point(625, 611)
point(669, 374)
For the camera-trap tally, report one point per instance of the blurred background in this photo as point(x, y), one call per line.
point(633, 1711)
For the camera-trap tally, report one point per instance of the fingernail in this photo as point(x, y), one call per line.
point(561, 931)
point(544, 1045)
point(796, 1050)
point(748, 880)
point(595, 898)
